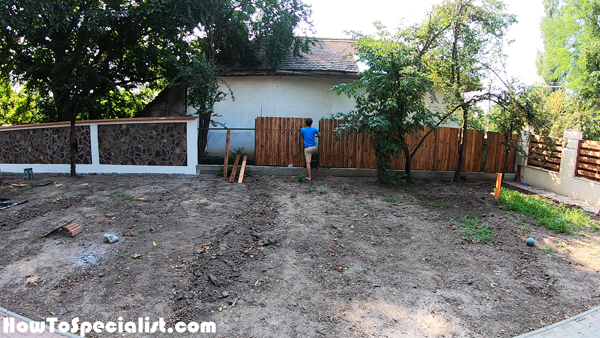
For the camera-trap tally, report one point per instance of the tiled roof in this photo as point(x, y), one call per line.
point(327, 55)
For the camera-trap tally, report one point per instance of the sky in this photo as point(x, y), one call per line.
point(332, 17)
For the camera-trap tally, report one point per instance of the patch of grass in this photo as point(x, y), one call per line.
point(525, 229)
point(390, 199)
point(562, 244)
point(122, 197)
point(293, 195)
point(312, 188)
point(340, 230)
point(553, 217)
point(345, 187)
point(326, 210)
point(445, 204)
point(321, 190)
point(547, 249)
point(301, 178)
point(475, 230)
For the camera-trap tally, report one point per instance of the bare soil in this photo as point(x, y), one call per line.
point(275, 258)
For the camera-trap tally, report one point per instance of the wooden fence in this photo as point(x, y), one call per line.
point(278, 143)
point(588, 160)
point(545, 154)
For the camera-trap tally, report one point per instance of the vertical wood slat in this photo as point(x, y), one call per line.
point(496, 152)
point(226, 159)
point(474, 151)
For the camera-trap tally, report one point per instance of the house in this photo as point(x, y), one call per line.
point(300, 88)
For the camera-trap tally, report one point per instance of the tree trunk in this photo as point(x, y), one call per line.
point(408, 165)
point(380, 168)
point(73, 142)
point(461, 150)
point(505, 159)
point(203, 124)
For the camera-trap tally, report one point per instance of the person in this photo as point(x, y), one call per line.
point(310, 143)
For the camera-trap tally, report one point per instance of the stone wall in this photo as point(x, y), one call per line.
point(163, 144)
point(44, 146)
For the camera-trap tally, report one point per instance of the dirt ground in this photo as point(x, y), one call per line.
point(342, 257)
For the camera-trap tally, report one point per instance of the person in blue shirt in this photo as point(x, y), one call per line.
point(310, 143)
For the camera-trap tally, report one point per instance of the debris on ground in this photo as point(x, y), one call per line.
point(111, 238)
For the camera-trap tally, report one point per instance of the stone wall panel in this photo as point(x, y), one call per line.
point(153, 144)
point(44, 146)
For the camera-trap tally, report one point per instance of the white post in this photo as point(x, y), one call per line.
point(192, 145)
point(569, 153)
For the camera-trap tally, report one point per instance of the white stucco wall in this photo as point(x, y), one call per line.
point(564, 182)
point(272, 96)
point(279, 96)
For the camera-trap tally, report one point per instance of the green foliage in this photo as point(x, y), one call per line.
point(390, 95)
point(293, 195)
point(122, 197)
point(345, 187)
point(321, 190)
point(570, 59)
point(17, 107)
point(547, 249)
point(554, 217)
point(474, 34)
point(475, 230)
point(301, 178)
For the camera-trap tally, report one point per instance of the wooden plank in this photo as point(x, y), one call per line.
point(498, 186)
point(587, 174)
point(549, 166)
point(589, 160)
point(593, 145)
point(545, 159)
point(589, 153)
point(234, 170)
point(581, 165)
point(242, 170)
point(226, 164)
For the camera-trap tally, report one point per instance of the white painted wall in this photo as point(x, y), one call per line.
point(564, 182)
point(278, 96)
point(96, 167)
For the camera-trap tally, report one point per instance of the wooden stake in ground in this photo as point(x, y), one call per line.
point(498, 185)
point(242, 169)
point(226, 166)
point(234, 170)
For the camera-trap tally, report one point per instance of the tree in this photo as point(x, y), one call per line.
point(571, 56)
point(78, 51)
point(517, 107)
point(390, 95)
point(476, 29)
point(81, 53)
point(237, 34)
point(17, 107)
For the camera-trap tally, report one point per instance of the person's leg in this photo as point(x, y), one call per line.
point(308, 158)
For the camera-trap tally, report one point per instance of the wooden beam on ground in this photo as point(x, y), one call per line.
point(234, 170)
point(243, 169)
point(226, 166)
point(498, 186)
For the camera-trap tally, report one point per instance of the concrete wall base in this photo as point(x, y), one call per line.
point(348, 172)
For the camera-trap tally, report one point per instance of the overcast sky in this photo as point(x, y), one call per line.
point(332, 17)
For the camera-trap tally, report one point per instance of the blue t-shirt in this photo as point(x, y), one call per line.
point(308, 133)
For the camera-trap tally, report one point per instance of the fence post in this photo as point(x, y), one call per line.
point(568, 162)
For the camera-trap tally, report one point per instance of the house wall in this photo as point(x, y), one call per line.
point(276, 96)
point(564, 182)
